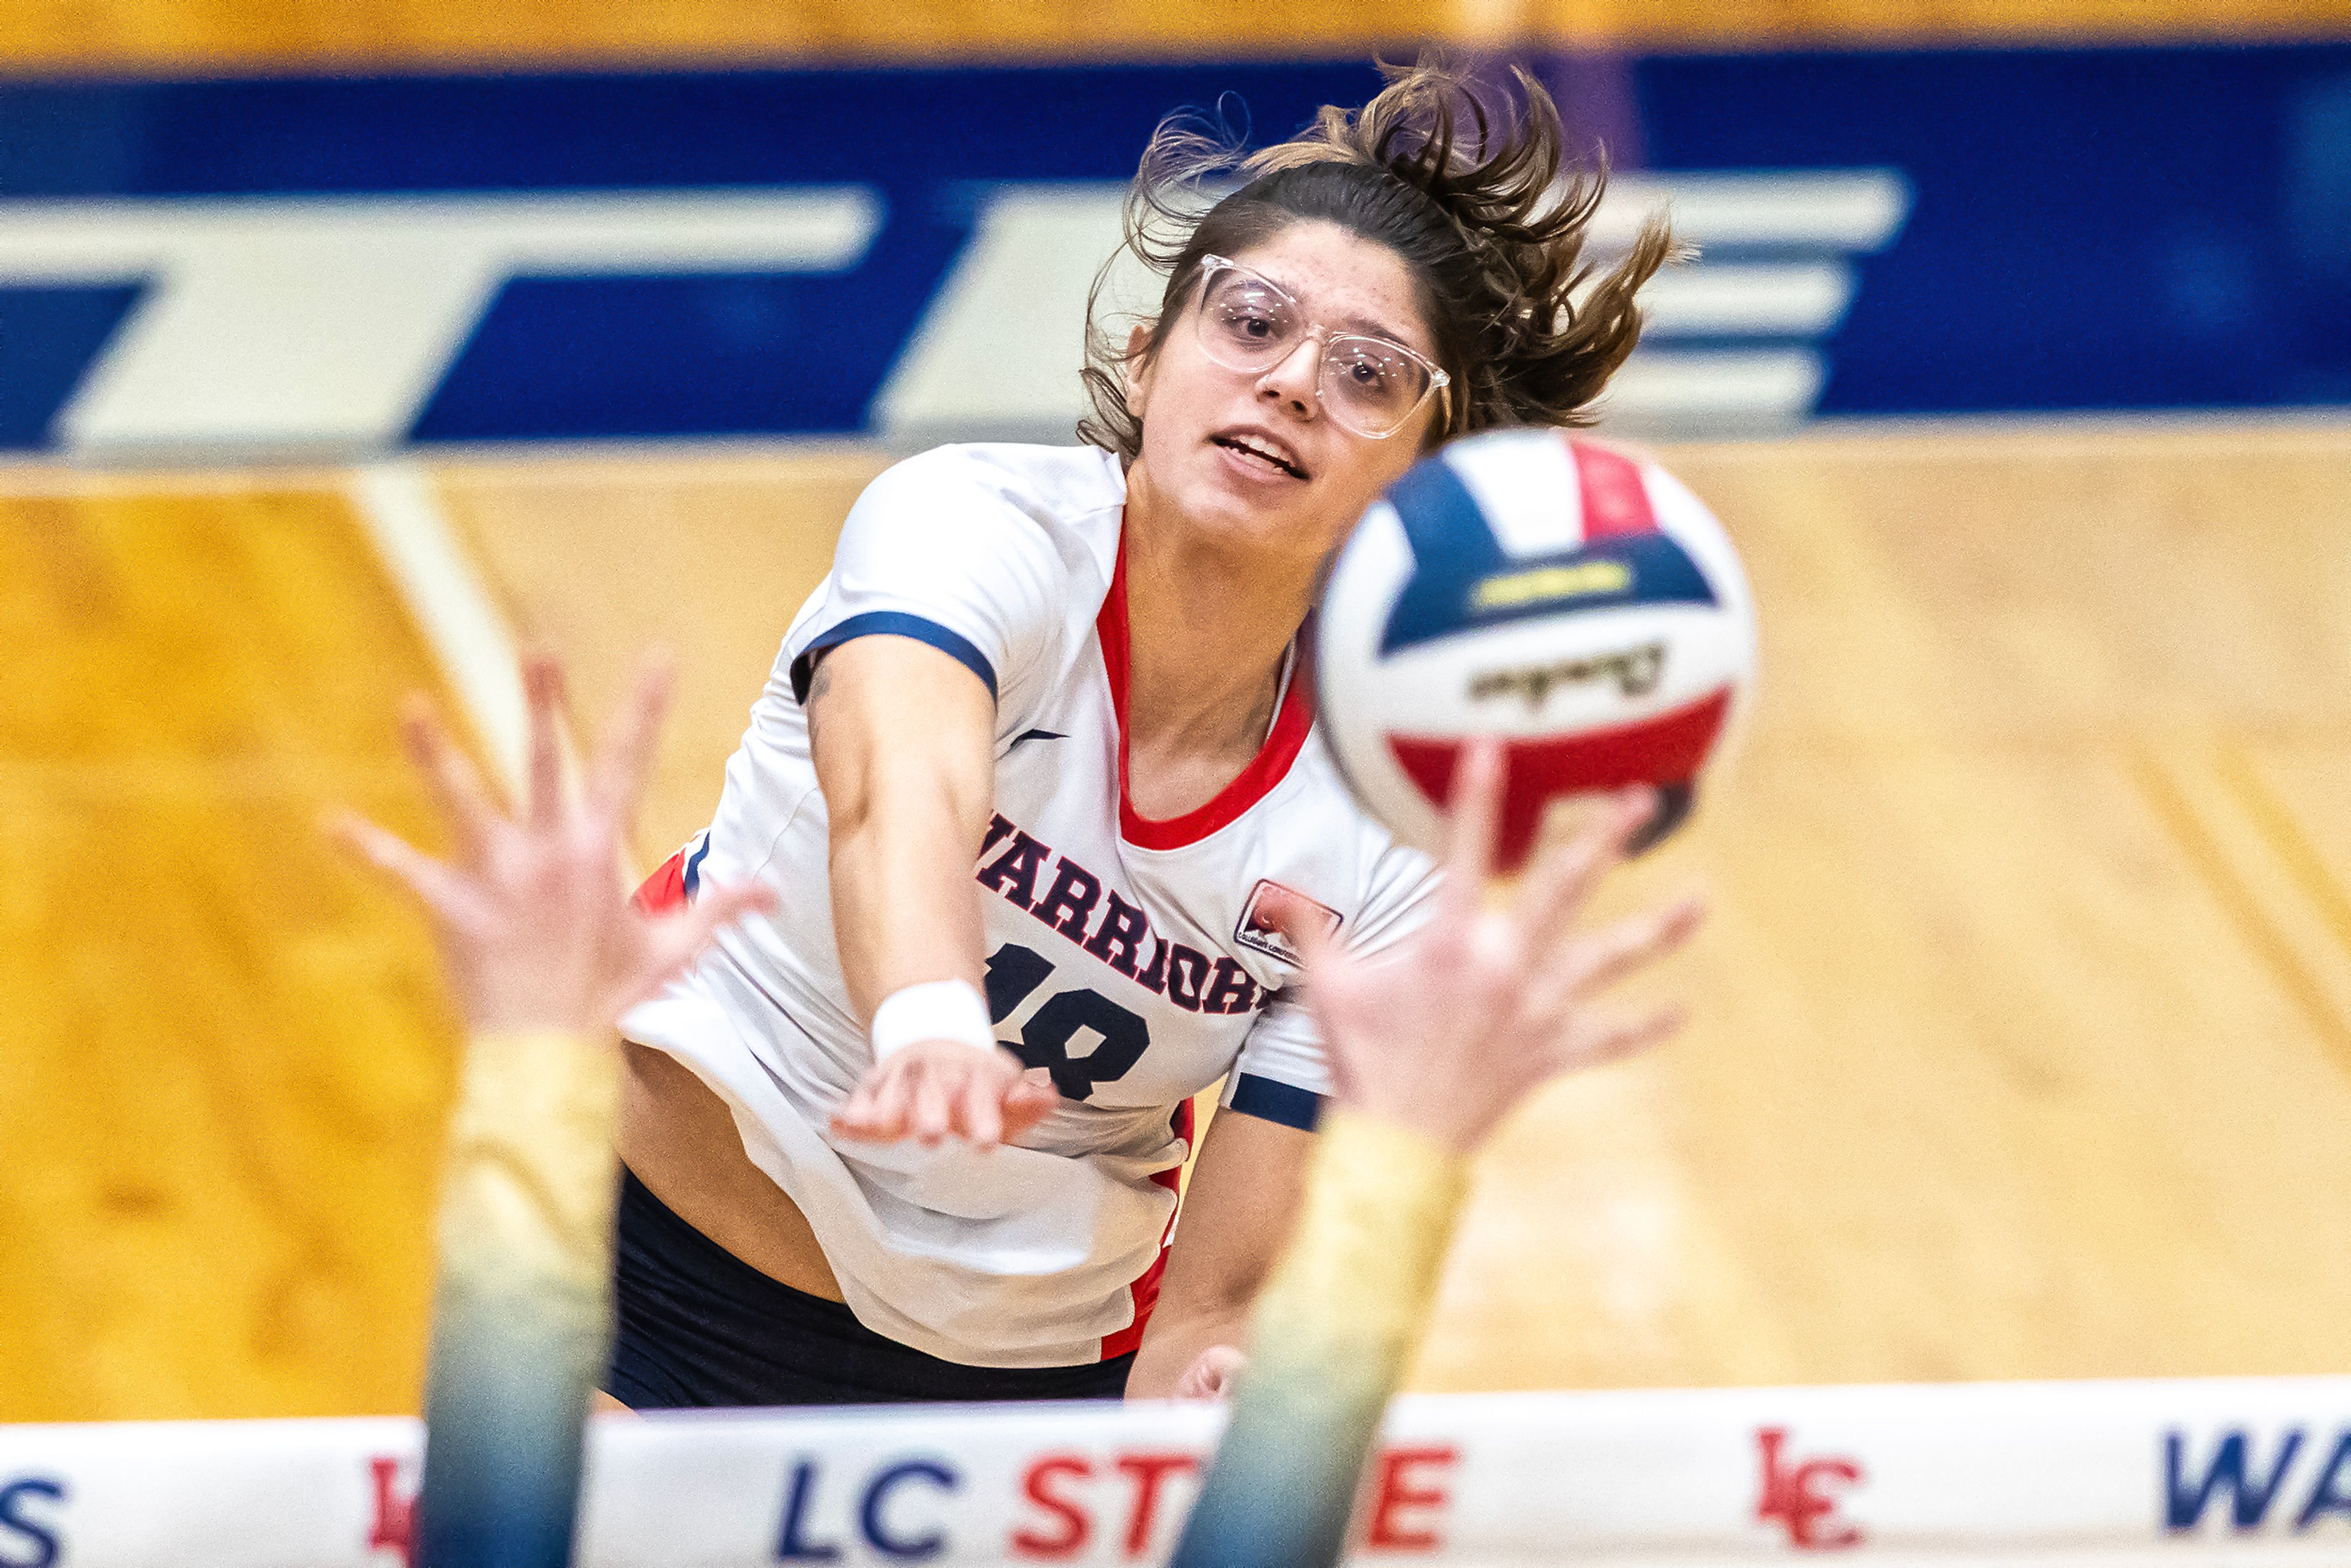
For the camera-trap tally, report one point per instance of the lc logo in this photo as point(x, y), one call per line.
point(1801, 1496)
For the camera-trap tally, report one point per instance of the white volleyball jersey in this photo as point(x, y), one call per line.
point(1124, 955)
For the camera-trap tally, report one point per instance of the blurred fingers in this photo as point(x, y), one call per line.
point(928, 1100)
point(1305, 925)
point(1607, 955)
point(677, 940)
point(931, 1115)
point(455, 786)
point(891, 1104)
point(624, 760)
point(1564, 880)
point(876, 1111)
point(853, 1118)
point(1597, 1040)
point(440, 889)
point(542, 684)
point(1474, 817)
point(719, 906)
point(1029, 1101)
point(983, 1115)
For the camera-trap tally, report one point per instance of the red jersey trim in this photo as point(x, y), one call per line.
point(1144, 1291)
point(664, 891)
point(1256, 781)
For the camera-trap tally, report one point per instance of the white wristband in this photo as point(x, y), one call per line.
point(936, 1009)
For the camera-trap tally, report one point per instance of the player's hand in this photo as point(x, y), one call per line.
point(1212, 1374)
point(940, 1089)
point(532, 909)
point(1449, 1028)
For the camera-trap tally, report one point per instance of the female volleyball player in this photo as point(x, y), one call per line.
point(1431, 1040)
point(1033, 775)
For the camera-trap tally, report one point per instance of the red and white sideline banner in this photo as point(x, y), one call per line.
point(2223, 1470)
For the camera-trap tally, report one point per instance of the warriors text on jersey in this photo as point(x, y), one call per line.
point(1126, 956)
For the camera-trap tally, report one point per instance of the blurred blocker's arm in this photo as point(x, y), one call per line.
point(1328, 1343)
point(1239, 1208)
point(1432, 1042)
point(544, 951)
point(521, 1315)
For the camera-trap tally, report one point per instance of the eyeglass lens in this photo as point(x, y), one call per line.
point(1366, 384)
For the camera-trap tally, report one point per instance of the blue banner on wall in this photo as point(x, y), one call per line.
point(333, 265)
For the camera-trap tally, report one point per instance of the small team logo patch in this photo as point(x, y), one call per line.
point(1257, 930)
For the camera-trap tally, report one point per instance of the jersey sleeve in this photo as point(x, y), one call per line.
point(1284, 1074)
point(937, 550)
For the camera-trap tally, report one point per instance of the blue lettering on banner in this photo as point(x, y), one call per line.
point(26, 1540)
point(2252, 1491)
point(1916, 230)
point(869, 1518)
point(2328, 1497)
point(792, 1542)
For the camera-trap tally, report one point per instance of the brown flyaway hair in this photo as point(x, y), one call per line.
point(1467, 182)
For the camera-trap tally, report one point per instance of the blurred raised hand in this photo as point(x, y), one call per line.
point(531, 910)
point(1449, 1029)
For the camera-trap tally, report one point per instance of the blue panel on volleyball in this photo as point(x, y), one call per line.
point(1458, 562)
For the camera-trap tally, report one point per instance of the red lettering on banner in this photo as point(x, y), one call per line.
point(1073, 1524)
point(1803, 1496)
point(395, 1513)
point(1394, 1489)
point(1149, 1470)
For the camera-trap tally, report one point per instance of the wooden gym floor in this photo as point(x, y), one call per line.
point(2024, 1029)
point(226, 1060)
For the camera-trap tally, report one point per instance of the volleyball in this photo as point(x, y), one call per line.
point(1572, 600)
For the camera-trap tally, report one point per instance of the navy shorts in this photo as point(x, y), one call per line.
point(698, 1326)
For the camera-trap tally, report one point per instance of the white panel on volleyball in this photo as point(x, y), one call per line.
point(1531, 501)
point(2252, 1472)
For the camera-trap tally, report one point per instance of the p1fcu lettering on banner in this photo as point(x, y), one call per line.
point(32, 1535)
point(892, 1526)
point(2305, 1482)
point(1803, 1495)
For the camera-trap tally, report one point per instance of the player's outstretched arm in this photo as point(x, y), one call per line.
point(1432, 1042)
point(544, 950)
point(903, 741)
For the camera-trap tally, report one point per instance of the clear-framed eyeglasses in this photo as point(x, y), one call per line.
point(1370, 385)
